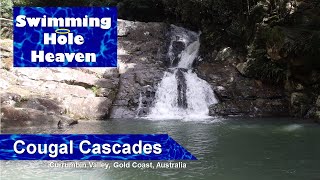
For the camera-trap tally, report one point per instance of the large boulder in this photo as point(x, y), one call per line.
point(12, 117)
point(42, 104)
point(89, 108)
point(9, 99)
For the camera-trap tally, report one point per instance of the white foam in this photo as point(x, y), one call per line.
point(199, 93)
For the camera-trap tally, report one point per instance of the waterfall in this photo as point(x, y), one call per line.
point(181, 93)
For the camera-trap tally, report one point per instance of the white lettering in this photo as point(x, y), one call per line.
point(15, 145)
point(21, 22)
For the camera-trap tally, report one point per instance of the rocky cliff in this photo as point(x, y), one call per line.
point(46, 96)
point(142, 51)
point(276, 45)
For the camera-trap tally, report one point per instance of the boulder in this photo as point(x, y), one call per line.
point(226, 54)
point(89, 108)
point(9, 99)
point(299, 104)
point(25, 117)
point(122, 112)
point(42, 104)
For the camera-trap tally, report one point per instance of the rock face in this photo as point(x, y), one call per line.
point(72, 92)
point(141, 52)
point(50, 95)
point(239, 95)
point(280, 46)
point(23, 117)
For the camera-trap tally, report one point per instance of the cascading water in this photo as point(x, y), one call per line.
point(181, 93)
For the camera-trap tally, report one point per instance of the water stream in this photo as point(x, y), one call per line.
point(181, 93)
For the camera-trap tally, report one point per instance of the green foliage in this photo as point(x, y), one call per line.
point(272, 72)
point(259, 66)
point(306, 46)
point(267, 70)
point(95, 90)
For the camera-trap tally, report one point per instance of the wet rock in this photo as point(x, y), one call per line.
point(122, 112)
point(63, 123)
point(142, 51)
point(182, 89)
point(145, 100)
point(177, 48)
point(146, 77)
point(226, 54)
